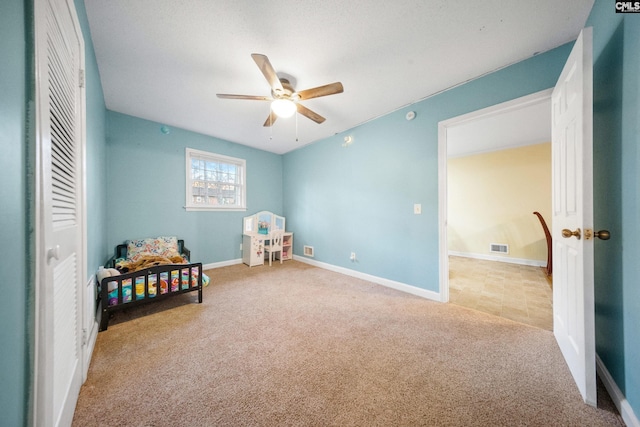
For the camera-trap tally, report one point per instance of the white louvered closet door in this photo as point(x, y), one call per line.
point(60, 216)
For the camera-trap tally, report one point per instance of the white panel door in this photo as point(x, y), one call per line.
point(59, 229)
point(573, 295)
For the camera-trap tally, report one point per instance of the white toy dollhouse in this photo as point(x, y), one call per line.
point(259, 231)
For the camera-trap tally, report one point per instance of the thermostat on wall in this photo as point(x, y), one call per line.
point(411, 115)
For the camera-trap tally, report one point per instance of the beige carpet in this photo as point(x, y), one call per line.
point(294, 345)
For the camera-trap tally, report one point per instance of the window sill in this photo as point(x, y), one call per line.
point(212, 209)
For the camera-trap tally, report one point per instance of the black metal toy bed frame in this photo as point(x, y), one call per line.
point(147, 285)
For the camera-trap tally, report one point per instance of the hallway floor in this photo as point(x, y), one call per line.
point(517, 292)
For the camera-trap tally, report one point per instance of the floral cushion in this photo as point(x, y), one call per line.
point(165, 246)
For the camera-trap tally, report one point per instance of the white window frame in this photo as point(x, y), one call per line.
point(191, 153)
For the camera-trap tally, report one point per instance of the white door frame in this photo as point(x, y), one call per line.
point(443, 126)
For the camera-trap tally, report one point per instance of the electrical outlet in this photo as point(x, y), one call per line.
point(353, 256)
point(417, 209)
point(240, 246)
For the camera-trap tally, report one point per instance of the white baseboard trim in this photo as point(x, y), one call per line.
point(92, 328)
point(498, 258)
point(403, 287)
point(91, 344)
point(626, 411)
point(221, 264)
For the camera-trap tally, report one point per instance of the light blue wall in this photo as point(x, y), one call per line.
point(13, 214)
point(16, 209)
point(607, 148)
point(96, 153)
point(360, 198)
point(146, 188)
point(616, 39)
point(630, 207)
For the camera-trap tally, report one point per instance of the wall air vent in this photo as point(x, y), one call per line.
point(499, 248)
point(308, 251)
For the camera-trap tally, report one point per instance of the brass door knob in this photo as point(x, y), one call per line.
point(566, 233)
point(602, 234)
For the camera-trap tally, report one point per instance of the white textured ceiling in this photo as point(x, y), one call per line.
point(516, 127)
point(165, 60)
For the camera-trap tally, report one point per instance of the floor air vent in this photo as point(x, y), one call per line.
point(499, 248)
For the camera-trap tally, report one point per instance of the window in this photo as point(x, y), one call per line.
point(215, 182)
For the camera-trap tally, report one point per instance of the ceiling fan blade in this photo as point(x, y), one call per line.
point(310, 114)
point(270, 120)
point(267, 70)
point(319, 91)
point(251, 97)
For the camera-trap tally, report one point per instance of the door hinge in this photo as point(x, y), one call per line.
point(84, 337)
point(81, 83)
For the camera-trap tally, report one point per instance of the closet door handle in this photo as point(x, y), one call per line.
point(53, 253)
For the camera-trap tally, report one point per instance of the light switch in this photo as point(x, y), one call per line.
point(417, 208)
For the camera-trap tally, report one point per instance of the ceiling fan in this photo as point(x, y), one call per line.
point(284, 99)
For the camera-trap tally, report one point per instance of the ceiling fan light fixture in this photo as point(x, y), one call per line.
point(283, 107)
point(284, 98)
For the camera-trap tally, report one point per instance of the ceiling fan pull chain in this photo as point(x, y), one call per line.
point(296, 128)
